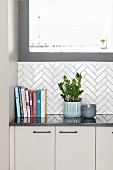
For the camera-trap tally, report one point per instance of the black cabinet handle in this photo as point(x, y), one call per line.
point(67, 132)
point(41, 131)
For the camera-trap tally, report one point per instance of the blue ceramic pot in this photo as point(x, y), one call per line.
point(72, 109)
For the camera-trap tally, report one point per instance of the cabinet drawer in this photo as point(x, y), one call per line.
point(34, 148)
point(75, 148)
point(104, 148)
point(76, 133)
point(35, 130)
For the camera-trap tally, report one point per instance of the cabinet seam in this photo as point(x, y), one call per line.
point(55, 151)
point(95, 147)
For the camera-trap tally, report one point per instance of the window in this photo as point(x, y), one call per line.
point(70, 35)
point(69, 25)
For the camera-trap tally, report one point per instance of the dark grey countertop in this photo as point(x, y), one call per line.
point(60, 120)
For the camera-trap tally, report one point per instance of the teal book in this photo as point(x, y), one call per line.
point(38, 103)
point(39, 120)
point(17, 101)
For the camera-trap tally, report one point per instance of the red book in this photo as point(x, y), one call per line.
point(34, 103)
point(31, 103)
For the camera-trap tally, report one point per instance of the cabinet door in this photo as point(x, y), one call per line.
point(104, 148)
point(75, 148)
point(34, 148)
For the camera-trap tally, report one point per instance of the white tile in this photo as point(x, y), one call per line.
point(38, 70)
point(101, 110)
point(27, 80)
point(101, 70)
point(97, 82)
point(59, 76)
point(110, 99)
point(101, 90)
point(89, 78)
point(69, 73)
point(102, 103)
point(50, 95)
point(58, 70)
point(47, 79)
point(101, 77)
point(90, 86)
point(91, 67)
point(38, 76)
point(101, 83)
point(109, 71)
point(109, 92)
point(101, 97)
point(81, 69)
point(109, 78)
point(48, 73)
point(27, 73)
point(109, 85)
point(38, 83)
point(91, 73)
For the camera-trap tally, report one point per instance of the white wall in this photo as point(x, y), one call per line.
point(13, 52)
point(4, 87)
point(112, 25)
point(8, 73)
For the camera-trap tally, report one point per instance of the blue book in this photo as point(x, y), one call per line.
point(38, 103)
point(19, 91)
point(20, 100)
point(17, 102)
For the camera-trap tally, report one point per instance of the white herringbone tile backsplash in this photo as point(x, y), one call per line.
point(97, 82)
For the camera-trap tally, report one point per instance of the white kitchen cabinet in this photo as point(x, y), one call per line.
point(61, 148)
point(75, 148)
point(34, 148)
point(104, 148)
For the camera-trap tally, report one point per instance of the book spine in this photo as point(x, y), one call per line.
point(17, 102)
point(30, 103)
point(43, 119)
point(34, 104)
point(27, 102)
point(43, 103)
point(24, 101)
point(39, 103)
point(21, 105)
point(39, 120)
point(33, 120)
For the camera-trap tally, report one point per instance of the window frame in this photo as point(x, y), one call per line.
point(24, 55)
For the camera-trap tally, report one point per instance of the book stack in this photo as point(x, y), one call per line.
point(30, 103)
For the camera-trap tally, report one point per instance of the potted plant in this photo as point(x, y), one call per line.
point(71, 92)
point(103, 44)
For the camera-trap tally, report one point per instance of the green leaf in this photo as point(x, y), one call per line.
point(71, 90)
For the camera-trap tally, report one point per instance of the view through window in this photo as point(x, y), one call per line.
point(70, 25)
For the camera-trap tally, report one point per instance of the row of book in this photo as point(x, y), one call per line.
point(30, 103)
point(32, 120)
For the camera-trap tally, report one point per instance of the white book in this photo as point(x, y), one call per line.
point(43, 103)
point(27, 103)
point(24, 101)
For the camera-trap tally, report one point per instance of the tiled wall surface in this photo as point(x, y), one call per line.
point(97, 82)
